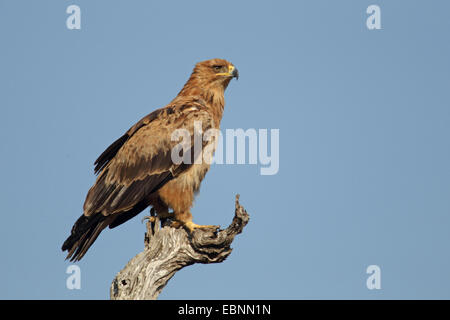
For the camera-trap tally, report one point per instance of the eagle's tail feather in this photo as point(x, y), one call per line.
point(84, 232)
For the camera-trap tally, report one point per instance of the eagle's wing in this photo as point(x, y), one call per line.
point(112, 150)
point(132, 168)
point(143, 163)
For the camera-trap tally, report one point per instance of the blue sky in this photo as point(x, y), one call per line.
point(364, 141)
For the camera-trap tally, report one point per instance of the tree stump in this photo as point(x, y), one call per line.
point(168, 250)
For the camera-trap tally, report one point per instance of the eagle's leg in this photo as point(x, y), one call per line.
point(162, 211)
point(159, 209)
point(185, 219)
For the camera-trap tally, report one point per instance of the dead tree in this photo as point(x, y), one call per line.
point(168, 250)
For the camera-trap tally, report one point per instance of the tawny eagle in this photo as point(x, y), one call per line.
point(137, 170)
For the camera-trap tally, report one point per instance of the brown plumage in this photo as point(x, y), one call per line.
point(137, 170)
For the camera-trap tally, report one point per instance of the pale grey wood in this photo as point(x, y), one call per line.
point(168, 250)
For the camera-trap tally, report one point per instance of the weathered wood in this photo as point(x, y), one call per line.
point(168, 250)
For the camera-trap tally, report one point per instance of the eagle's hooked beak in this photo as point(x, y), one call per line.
point(232, 72)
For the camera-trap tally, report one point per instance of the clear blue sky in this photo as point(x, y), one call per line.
point(364, 119)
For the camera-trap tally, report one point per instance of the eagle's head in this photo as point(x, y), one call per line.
point(209, 80)
point(214, 72)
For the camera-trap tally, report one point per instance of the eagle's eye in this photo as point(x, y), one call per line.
point(217, 67)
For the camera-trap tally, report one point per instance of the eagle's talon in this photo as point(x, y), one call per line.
point(191, 226)
point(149, 218)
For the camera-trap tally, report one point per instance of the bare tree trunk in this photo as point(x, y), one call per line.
point(168, 250)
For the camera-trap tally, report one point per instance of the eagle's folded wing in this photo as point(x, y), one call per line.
point(140, 162)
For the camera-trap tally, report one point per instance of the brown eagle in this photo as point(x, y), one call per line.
point(137, 170)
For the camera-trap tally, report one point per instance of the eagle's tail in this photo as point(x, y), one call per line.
point(84, 232)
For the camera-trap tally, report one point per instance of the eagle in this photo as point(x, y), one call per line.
point(137, 170)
